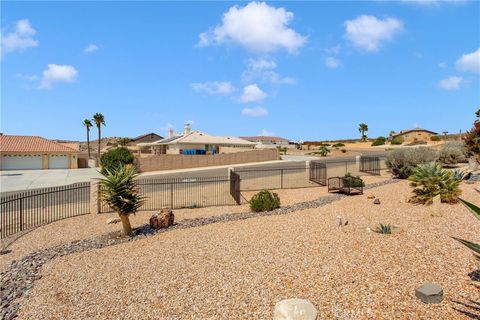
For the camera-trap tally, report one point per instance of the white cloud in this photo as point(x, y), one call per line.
point(469, 62)
point(252, 93)
point(20, 39)
point(332, 62)
point(91, 48)
point(27, 77)
point(334, 50)
point(190, 122)
point(221, 88)
point(257, 27)
point(442, 65)
point(267, 133)
point(263, 69)
point(56, 73)
point(451, 83)
point(368, 32)
point(255, 112)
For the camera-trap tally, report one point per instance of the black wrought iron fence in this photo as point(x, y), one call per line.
point(25, 210)
point(259, 178)
point(183, 193)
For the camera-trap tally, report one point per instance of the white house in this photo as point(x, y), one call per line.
point(196, 142)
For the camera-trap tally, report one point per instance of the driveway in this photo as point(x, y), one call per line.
point(14, 180)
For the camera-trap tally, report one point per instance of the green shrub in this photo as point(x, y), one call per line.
point(378, 142)
point(343, 150)
point(115, 158)
point(430, 180)
point(352, 182)
point(397, 141)
point(401, 162)
point(435, 138)
point(452, 152)
point(264, 201)
point(338, 145)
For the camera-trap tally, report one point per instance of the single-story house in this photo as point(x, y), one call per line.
point(145, 138)
point(267, 141)
point(196, 142)
point(33, 152)
point(414, 135)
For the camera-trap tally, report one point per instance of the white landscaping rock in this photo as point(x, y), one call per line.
point(295, 309)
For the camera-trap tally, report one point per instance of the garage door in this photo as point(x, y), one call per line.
point(21, 162)
point(58, 161)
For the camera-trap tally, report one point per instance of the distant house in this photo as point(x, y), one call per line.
point(196, 142)
point(33, 152)
point(145, 138)
point(414, 135)
point(267, 141)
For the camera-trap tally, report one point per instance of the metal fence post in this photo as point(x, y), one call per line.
point(281, 178)
point(21, 214)
point(171, 195)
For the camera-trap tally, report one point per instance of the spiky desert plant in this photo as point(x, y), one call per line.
point(119, 190)
point(475, 247)
point(430, 180)
point(459, 174)
point(383, 229)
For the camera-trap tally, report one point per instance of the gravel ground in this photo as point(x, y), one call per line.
point(240, 269)
point(87, 226)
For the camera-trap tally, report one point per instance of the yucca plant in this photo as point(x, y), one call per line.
point(430, 180)
point(120, 192)
point(383, 229)
point(475, 247)
point(459, 174)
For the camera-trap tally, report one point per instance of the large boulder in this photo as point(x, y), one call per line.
point(294, 309)
point(163, 219)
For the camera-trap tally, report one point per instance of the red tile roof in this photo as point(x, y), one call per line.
point(32, 144)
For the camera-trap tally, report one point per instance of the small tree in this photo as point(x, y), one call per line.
point(362, 128)
point(120, 192)
point(323, 151)
point(116, 158)
point(123, 141)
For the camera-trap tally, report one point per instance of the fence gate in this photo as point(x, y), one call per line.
point(235, 186)
point(370, 164)
point(318, 172)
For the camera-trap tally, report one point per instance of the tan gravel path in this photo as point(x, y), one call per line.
point(87, 226)
point(238, 270)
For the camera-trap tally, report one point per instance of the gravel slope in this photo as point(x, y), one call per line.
point(238, 270)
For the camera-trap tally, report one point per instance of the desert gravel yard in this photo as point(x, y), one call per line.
point(240, 269)
point(87, 226)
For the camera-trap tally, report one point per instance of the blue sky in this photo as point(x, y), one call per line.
point(302, 70)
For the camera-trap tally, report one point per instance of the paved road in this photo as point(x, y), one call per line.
point(16, 180)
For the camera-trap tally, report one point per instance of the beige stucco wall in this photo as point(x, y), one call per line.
point(180, 161)
point(416, 135)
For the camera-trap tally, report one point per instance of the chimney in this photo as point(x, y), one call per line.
point(187, 129)
point(170, 132)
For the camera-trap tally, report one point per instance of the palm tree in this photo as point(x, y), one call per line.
point(445, 134)
point(88, 124)
point(99, 120)
point(362, 128)
point(119, 190)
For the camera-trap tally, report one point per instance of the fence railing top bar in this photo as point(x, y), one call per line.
point(270, 169)
point(54, 188)
point(38, 192)
point(182, 179)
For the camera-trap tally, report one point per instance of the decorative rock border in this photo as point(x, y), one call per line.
point(18, 279)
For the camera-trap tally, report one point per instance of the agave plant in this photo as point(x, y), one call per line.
point(459, 174)
point(475, 247)
point(430, 180)
point(383, 229)
point(120, 191)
